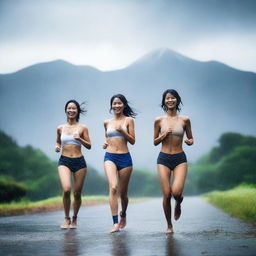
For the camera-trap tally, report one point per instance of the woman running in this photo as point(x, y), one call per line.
point(70, 137)
point(169, 130)
point(117, 161)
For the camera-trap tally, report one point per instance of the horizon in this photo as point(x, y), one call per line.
point(124, 67)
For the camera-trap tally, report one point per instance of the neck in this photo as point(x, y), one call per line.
point(72, 121)
point(172, 112)
point(119, 116)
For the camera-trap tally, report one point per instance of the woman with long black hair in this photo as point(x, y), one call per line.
point(117, 161)
point(70, 137)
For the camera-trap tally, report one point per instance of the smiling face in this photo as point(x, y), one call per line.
point(71, 110)
point(117, 106)
point(170, 101)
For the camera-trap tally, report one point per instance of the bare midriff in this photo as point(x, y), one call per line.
point(71, 150)
point(117, 145)
point(172, 145)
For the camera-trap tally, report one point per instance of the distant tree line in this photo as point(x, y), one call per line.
point(229, 164)
point(28, 172)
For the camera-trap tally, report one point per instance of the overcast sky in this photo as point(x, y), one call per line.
point(112, 34)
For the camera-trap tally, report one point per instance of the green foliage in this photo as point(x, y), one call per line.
point(225, 166)
point(10, 190)
point(144, 183)
point(239, 202)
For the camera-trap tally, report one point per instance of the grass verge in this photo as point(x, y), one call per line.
point(51, 204)
point(239, 202)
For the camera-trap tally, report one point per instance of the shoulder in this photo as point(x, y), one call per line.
point(106, 122)
point(185, 119)
point(83, 127)
point(129, 119)
point(59, 128)
point(159, 119)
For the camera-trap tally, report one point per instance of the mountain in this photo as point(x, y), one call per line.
point(216, 97)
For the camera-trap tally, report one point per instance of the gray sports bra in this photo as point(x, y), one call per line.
point(177, 130)
point(67, 139)
point(113, 133)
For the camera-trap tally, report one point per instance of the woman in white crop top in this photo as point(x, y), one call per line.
point(70, 137)
point(117, 160)
point(169, 130)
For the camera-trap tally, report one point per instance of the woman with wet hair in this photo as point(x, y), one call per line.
point(117, 161)
point(172, 162)
point(70, 138)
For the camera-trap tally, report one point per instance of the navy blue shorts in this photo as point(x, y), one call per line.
point(74, 164)
point(171, 160)
point(120, 160)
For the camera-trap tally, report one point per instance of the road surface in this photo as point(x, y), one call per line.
point(202, 230)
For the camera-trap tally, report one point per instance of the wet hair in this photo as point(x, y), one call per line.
point(80, 108)
point(176, 95)
point(128, 111)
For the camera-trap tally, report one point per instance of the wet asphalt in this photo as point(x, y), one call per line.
point(202, 230)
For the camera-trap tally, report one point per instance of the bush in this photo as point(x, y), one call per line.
point(11, 190)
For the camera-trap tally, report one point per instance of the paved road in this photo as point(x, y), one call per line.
point(202, 230)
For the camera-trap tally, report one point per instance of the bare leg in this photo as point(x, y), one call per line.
point(179, 177)
point(111, 173)
point(124, 177)
point(65, 176)
point(164, 174)
point(79, 177)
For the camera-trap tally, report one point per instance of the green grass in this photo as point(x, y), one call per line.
point(239, 202)
point(51, 204)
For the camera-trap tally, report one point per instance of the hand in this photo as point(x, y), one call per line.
point(105, 145)
point(57, 149)
point(76, 135)
point(119, 128)
point(168, 132)
point(189, 142)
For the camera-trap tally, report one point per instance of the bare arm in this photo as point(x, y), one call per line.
point(84, 138)
point(105, 144)
point(58, 140)
point(189, 141)
point(158, 138)
point(130, 133)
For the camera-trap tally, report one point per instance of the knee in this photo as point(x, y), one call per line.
point(176, 193)
point(66, 192)
point(77, 195)
point(113, 190)
point(123, 196)
point(167, 195)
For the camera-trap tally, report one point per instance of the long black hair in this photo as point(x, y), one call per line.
point(176, 95)
point(128, 111)
point(80, 108)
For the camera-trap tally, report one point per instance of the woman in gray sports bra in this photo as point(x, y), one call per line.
point(117, 160)
point(70, 137)
point(169, 130)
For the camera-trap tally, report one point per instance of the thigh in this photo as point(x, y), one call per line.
point(164, 174)
point(111, 173)
point(79, 177)
point(65, 176)
point(179, 177)
point(124, 178)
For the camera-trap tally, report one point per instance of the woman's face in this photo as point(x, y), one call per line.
point(71, 110)
point(117, 106)
point(170, 101)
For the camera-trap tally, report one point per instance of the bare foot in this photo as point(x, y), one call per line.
point(115, 228)
point(177, 211)
point(122, 222)
point(73, 224)
point(66, 223)
point(169, 230)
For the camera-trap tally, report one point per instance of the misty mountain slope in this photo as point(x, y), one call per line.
point(217, 98)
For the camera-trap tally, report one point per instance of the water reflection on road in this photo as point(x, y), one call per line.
point(202, 230)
